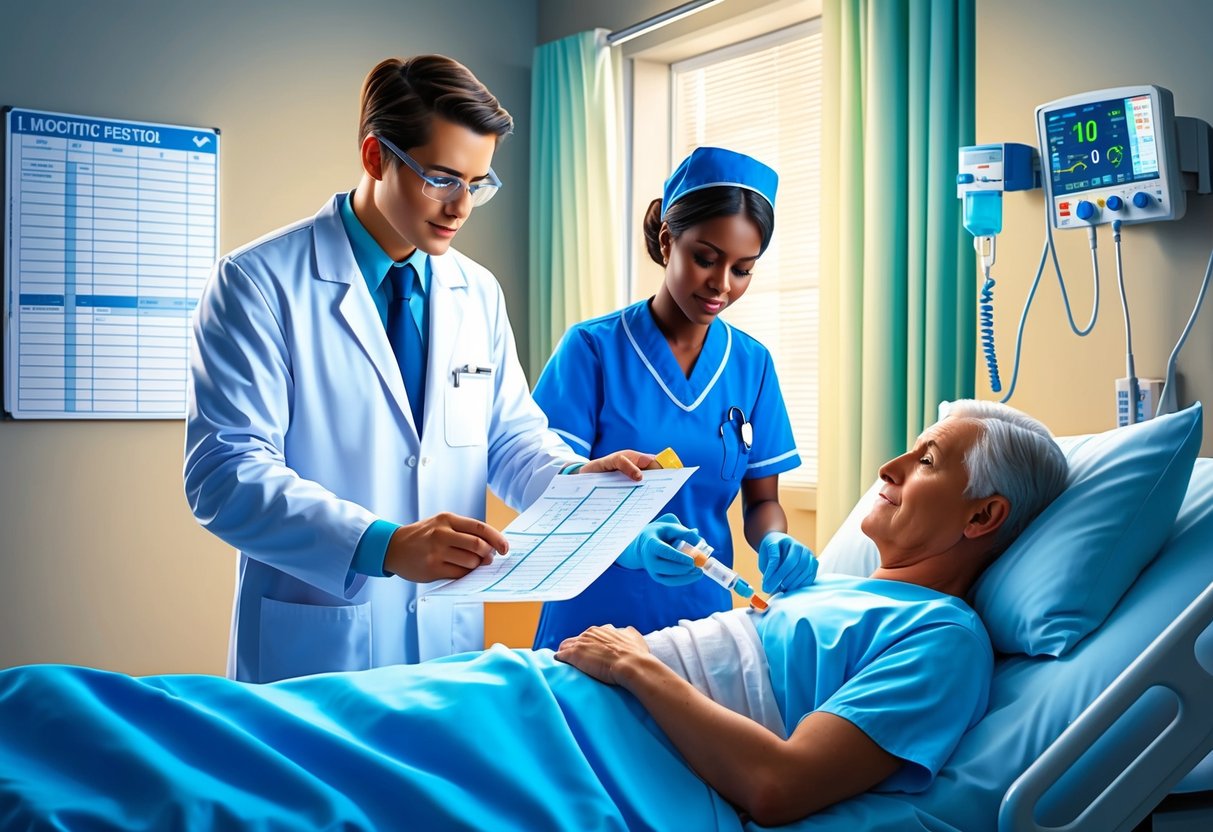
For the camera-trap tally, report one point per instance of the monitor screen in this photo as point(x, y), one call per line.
point(1102, 143)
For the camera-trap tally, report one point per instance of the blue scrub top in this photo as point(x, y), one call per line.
point(614, 383)
point(909, 666)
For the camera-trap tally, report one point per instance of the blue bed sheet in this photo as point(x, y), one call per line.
point(539, 746)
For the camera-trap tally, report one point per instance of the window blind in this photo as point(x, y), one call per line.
point(763, 97)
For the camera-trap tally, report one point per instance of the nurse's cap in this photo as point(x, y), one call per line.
point(712, 167)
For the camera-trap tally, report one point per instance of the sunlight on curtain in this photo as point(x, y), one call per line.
point(898, 287)
point(576, 267)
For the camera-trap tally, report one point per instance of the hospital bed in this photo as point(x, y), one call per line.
point(1090, 740)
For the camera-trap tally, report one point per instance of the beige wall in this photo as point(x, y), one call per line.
point(1033, 51)
point(102, 563)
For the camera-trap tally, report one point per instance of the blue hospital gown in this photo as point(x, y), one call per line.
point(614, 383)
point(909, 666)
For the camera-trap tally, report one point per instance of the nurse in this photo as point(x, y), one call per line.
point(667, 371)
point(354, 387)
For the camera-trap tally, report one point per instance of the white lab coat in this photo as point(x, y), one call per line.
point(299, 436)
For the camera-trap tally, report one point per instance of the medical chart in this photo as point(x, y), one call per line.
point(568, 537)
point(111, 230)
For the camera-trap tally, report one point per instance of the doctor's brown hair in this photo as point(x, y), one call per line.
point(401, 96)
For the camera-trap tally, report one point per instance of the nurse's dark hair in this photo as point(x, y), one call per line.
point(701, 206)
point(401, 96)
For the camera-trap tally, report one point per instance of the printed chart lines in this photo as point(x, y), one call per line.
point(568, 537)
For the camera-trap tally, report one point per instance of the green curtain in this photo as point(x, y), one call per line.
point(575, 265)
point(898, 287)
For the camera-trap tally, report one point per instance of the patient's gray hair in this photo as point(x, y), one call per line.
point(1014, 456)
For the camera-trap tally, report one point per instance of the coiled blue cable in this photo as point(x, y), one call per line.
point(986, 307)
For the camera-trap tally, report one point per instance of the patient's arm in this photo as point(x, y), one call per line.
point(775, 781)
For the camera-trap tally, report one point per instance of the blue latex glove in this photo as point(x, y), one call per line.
point(785, 563)
point(653, 551)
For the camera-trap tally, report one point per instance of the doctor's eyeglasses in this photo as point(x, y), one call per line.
point(446, 188)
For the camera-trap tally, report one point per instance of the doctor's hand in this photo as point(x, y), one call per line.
point(785, 563)
point(443, 546)
point(653, 550)
point(625, 462)
point(602, 652)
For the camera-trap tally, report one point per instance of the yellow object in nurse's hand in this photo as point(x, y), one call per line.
point(668, 459)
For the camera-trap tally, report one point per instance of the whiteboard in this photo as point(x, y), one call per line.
point(110, 233)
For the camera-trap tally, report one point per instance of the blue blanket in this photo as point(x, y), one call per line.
point(499, 740)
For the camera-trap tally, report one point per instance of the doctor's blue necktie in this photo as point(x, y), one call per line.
point(405, 337)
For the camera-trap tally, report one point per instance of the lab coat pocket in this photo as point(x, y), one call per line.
point(447, 626)
point(467, 633)
point(301, 639)
point(468, 391)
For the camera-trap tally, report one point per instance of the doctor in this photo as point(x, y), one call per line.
point(694, 383)
point(354, 387)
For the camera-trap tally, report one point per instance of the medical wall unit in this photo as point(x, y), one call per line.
point(1117, 157)
point(1110, 155)
point(110, 232)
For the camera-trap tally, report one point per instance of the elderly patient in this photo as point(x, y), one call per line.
point(878, 678)
point(844, 685)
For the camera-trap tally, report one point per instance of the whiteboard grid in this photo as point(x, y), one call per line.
point(111, 230)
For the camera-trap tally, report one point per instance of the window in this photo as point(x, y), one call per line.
point(763, 97)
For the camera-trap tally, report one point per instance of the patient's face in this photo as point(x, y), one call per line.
point(922, 510)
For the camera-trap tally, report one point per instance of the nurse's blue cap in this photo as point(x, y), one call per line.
point(712, 167)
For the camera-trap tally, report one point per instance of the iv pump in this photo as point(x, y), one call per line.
point(986, 171)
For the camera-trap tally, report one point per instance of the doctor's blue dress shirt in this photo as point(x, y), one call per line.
point(374, 263)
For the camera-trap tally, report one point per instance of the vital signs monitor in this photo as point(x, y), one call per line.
point(1110, 155)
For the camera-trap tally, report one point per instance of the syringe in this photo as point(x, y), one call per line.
point(701, 552)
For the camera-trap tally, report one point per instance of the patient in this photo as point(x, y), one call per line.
point(878, 677)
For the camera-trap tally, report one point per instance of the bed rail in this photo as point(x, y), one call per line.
point(1173, 676)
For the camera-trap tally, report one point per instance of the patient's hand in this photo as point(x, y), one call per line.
point(604, 652)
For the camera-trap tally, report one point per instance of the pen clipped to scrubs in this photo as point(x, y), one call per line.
point(701, 553)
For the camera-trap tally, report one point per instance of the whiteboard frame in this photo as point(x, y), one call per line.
point(9, 348)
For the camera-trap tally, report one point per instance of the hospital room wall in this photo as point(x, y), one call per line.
point(102, 563)
point(1033, 51)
